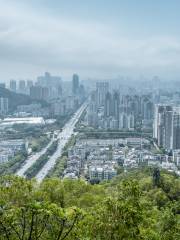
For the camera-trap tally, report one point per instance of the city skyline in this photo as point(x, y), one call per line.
point(116, 38)
point(89, 119)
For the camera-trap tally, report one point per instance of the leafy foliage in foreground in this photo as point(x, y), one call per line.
point(13, 164)
point(129, 207)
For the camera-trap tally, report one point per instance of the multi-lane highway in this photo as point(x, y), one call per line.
point(32, 159)
point(63, 137)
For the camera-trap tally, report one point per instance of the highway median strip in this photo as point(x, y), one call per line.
point(57, 170)
point(36, 167)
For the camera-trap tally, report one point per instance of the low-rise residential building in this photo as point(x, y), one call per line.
point(176, 157)
point(99, 159)
point(102, 172)
point(5, 155)
point(14, 145)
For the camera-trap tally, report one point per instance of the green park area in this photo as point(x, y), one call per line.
point(142, 204)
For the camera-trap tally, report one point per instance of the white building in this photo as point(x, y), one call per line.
point(5, 155)
point(8, 122)
point(4, 106)
point(126, 121)
point(14, 145)
point(102, 172)
point(176, 157)
point(166, 127)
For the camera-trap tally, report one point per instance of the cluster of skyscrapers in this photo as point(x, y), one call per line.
point(20, 86)
point(46, 87)
point(114, 110)
point(62, 97)
point(166, 127)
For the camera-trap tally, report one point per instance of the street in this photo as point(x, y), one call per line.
point(63, 138)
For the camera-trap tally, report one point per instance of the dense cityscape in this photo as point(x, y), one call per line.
point(89, 120)
point(115, 129)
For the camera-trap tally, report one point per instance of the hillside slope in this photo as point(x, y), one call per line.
point(133, 206)
point(14, 98)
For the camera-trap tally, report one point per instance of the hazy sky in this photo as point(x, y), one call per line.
point(95, 38)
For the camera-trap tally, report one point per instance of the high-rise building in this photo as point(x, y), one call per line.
point(41, 93)
point(131, 122)
point(115, 105)
point(48, 80)
point(136, 106)
point(126, 121)
point(36, 92)
point(167, 130)
point(82, 92)
point(4, 106)
point(108, 105)
point(59, 108)
point(156, 120)
point(12, 85)
point(45, 93)
point(163, 125)
point(102, 88)
point(2, 85)
point(22, 86)
point(59, 91)
point(146, 108)
point(75, 84)
point(176, 131)
point(92, 114)
point(29, 83)
point(166, 127)
point(158, 129)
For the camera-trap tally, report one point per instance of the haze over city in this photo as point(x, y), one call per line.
point(89, 120)
point(97, 39)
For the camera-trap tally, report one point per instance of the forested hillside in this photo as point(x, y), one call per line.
point(14, 98)
point(143, 204)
